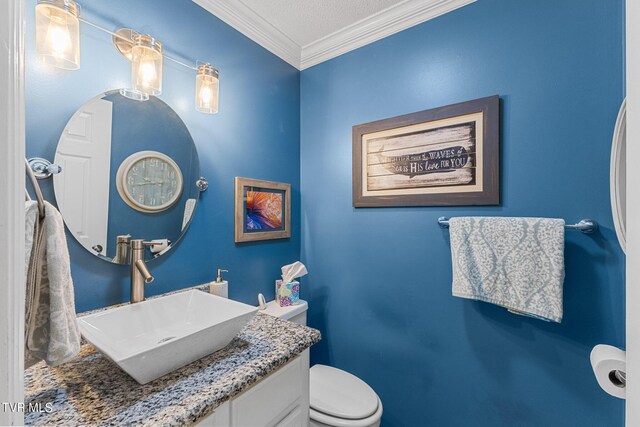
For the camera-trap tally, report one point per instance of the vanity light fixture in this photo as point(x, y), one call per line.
point(146, 55)
point(58, 44)
point(207, 89)
point(58, 33)
point(146, 64)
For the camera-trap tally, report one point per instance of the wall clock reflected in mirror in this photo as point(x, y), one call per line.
point(149, 181)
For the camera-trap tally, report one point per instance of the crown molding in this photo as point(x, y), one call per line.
point(389, 21)
point(375, 27)
point(248, 22)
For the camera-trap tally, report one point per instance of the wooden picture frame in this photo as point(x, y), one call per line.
point(446, 156)
point(262, 210)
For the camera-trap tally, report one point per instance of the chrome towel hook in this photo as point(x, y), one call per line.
point(43, 168)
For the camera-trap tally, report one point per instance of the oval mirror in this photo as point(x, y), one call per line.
point(618, 177)
point(129, 171)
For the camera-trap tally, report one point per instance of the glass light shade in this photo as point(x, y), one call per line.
point(58, 33)
point(207, 89)
point(146, 64)
point(136, 95)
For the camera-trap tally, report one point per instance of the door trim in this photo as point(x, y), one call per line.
point(633, 213)
point(12, 184)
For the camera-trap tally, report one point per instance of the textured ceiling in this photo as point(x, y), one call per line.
point(305, 21)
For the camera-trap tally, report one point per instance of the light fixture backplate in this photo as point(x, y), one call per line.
point(125, 43)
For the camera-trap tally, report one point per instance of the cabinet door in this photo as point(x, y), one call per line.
point(271, 399)
point(279, 400)
point(294, 419)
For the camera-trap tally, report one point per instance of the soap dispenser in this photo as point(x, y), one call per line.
point(220, 287)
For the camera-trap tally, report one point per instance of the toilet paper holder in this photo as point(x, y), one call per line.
point(618, 378)
point(609, 367)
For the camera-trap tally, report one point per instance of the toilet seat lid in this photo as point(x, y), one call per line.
point(340, 394)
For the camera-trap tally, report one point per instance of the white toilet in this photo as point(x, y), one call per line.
point(337, 398)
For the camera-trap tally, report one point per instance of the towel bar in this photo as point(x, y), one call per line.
point(586, 226)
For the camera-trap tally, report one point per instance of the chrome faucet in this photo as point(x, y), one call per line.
point(123, 249)
point(140, 275)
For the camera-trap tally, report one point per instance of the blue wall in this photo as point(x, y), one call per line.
point(258, 120)
point(380, 279)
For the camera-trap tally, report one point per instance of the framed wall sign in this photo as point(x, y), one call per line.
point(262, 210)
point(447, 156)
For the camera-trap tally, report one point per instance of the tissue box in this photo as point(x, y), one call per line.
point(288, 294)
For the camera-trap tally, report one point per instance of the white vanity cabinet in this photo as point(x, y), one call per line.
point(279, 400)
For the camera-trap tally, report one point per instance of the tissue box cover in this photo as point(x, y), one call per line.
point(288, 294)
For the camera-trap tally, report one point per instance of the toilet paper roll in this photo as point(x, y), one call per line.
point(159, 245)
point(606, 360)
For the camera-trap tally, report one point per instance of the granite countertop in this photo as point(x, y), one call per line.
point(91, 390)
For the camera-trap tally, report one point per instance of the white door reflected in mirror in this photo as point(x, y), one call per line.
point(618, 176)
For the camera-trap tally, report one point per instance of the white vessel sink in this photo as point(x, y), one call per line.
point(154, 337)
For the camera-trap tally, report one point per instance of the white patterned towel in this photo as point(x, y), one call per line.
point(51, 330)
point(517, 263)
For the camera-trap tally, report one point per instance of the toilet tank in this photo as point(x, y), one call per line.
point(293, 313)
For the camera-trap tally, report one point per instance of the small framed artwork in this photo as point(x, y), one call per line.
point(447, 156)
point(262, 210)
